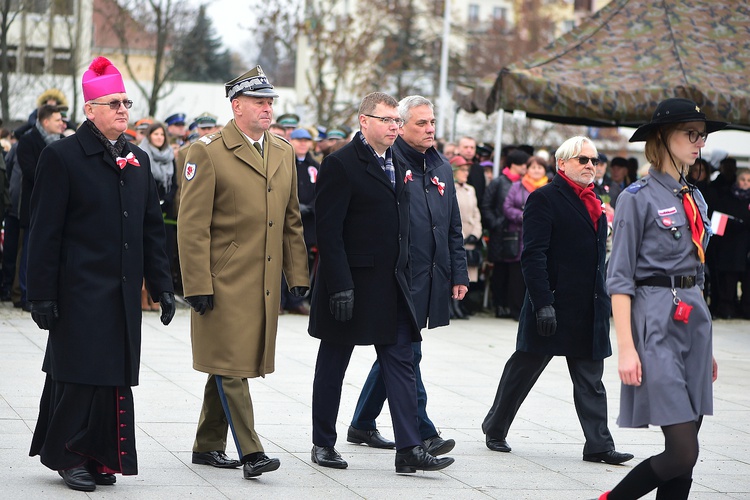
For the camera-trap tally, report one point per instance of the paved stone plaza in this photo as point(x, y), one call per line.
point(461, 367)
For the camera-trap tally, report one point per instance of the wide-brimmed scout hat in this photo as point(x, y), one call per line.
point(675, 110)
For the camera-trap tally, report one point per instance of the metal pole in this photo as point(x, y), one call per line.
point(443, 96)
point(498, 142)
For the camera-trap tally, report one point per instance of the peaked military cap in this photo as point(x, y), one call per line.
point(205, 120)
point(288, 120)
point(254, 83)
point(175, 119)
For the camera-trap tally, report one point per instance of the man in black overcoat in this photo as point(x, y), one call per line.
point(362, 294)
point(437, 263)
point(96, 231)
point(566, 309)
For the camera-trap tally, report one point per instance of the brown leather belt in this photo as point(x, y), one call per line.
point(668, 281)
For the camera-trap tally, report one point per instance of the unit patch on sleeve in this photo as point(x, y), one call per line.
point(190, 171)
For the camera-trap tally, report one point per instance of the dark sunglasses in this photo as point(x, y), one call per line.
point(583, 160)
point(114, 105)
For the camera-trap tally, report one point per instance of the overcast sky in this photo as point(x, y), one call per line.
point(232, 21)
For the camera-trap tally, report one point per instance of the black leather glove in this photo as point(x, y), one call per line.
point(299, 291)
point(44, 313)
point(342, 305)
point(201, 303)
point(471, 240)
point(546, 321)
point(305, 209)
point(166, 301)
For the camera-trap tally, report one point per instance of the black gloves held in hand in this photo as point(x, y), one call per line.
point(342, 305)
point(44, 313)
point(201, 303)
point(546, 321)
point(166, 301)
point(299, 291)
point(471, 240)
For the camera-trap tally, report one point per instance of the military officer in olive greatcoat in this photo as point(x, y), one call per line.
point(239, 226)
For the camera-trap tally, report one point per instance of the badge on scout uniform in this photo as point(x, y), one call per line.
point(190, 171)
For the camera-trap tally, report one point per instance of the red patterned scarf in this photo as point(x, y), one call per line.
point(587, 196)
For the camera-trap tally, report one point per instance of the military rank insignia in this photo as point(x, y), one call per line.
point(189, 171)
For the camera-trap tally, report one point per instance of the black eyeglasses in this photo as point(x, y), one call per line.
point(387, 120)
point(114, 105)
point(583, 160)
point(694, 135)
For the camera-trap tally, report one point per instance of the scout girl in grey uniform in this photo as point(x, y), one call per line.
point(663, 325)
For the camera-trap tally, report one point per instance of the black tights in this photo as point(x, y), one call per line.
point(670, 471)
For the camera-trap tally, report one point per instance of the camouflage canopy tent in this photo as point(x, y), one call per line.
point(614, 68)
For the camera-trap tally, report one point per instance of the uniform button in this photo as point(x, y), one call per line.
point(122, 183)
point(596, 295)
point(434, 227)
point(426, 190)
point(268, 292)
point(125, 213)
point(124, 279)
point(270, 224)
point(396, 272)
point(434, 265)
point(269, 258)
point(269, 190)
point(126, 246)
point(399, 237)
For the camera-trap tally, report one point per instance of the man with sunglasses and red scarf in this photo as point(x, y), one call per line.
point(566, 310)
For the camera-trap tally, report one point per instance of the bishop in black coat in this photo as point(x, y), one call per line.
point(96, 232)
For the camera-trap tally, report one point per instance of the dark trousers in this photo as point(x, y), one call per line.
point(373, 395)
point(396, 362)
point(10, 251)
point(499, 284)
point(589, 396)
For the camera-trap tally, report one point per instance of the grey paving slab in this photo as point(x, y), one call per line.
point(461, 367)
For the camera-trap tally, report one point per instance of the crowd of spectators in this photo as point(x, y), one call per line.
point(491, 207)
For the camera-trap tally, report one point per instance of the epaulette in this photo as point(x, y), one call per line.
point(284, 139)
point(206, 139)
point(636, 186)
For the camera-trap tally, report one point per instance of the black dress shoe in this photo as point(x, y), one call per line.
point(327, 456)
point(495, 444)
point(102, 479)
point(215, 459)
point(78, 478)
point(417, 458)
point(259, 466)
point(438, 446)
point(610, 457)
point(370, 438)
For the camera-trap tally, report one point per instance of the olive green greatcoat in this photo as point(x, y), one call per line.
point(239, 226)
